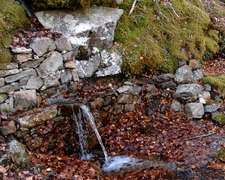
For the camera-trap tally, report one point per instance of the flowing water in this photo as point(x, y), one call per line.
point(90, 118)
point(77, 117)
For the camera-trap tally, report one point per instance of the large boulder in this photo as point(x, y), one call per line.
point(95, 27)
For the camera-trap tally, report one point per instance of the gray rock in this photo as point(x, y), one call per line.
point(188, 92)
point(51, 81)
point(163, 78)
point(63, 44)
point(212, 108)
point(32, 64)
point(86, 69)
point(9, 88)
point(3, 97)
point(21, 50)
point(22, 74)
point(194, 110)
point(25, 99)
point(176, 106)
point(8, 66)
point(38, 117)
point(42, 45)
point(132, 89)
point(182, 63)
point(18, 154)
point(207, 87)
point(101, 21)
point(198, 74)
point(111, 64)
point(66, 77)
point(9, 72)
point(184, 74)
point(52, 64)
point(21, 58)
point(34, 82)
point(168, 84)
point(2, 82)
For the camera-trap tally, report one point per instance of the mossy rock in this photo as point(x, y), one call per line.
point(12, 17)
point(157, 35)
point(216, 81)
point(219, 117)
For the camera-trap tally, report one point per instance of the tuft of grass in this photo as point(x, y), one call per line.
point(219, 117)
point(12, 17)
point(221, 154)
point(157, 35)
point(216, 81)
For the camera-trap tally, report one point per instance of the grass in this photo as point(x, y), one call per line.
point(12, 17)
point(217, 82)
point(157, 36)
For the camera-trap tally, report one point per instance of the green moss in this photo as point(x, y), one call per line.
point(219, 117)
point(12, 17)
point(221, 154)
point(156, 36)
point(216, 81)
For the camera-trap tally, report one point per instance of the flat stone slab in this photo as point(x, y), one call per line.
point(76, 26)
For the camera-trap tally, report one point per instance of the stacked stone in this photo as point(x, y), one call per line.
point(195, 97)
point(47, 63)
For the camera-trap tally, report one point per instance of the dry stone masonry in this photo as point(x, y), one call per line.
point(82, 51)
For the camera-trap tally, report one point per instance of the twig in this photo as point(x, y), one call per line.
point(201, 136)
point(133, 6)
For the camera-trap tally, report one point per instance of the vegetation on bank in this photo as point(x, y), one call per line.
point(157, 35)
point(12, 17)
point(217, 82)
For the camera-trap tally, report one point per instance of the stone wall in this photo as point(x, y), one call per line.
point(84, 50)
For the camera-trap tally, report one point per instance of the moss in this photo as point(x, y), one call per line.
point(156, 36)
point(68, 4)
point(12, 17)
point(221, 154)
point(216, 81)
point(219, 117)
